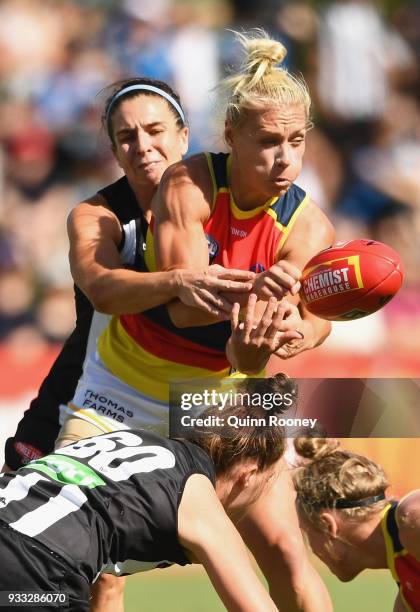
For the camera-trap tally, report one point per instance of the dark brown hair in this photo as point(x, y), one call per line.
point(113, 89)
point(254, 437)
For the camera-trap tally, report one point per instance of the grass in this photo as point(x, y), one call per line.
point(189, 590)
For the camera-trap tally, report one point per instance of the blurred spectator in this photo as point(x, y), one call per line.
point(17, 296)
point(357, 53)
point(196, 74)
point(55, 315)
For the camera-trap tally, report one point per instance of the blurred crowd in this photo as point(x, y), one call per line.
point(359, 57)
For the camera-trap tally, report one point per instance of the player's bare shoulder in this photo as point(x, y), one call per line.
point(408, 520)
point(311, 233)
point(185, 189)
point(93, 207)
point(91, 215)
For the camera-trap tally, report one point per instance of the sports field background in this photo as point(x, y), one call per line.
point(189, 590)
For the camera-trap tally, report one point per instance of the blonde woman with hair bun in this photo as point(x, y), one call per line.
point(243, 209)
point(350, 523)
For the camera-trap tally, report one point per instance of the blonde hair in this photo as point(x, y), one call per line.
point(336, 474)
point(259, 81)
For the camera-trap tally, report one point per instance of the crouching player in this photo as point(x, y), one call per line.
point(130, 501)
point(351, 524)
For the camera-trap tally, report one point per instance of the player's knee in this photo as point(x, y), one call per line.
point(111, 584)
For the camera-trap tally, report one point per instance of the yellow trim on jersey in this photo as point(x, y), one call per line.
point(289, 226)
point(391, 555)
point(149, 254)
point(213, 177)
point(277, 223)
point(148, 374)
point(93, 419)
point(388, 543)
point(238, 213)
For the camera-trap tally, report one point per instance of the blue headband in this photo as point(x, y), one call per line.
point(141, 87)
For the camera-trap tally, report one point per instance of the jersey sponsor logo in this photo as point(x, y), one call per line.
point(257, 268)
point(102, 404)
point(66, 470)
point(213, 247)
point(235, 231)
point(27, 452)
point(331, 277)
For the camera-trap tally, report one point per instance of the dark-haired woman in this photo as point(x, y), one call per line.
point(147, 130)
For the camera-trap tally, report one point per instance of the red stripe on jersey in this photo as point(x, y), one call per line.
point(158, 341)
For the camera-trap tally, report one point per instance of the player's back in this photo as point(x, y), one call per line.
point(106, 503)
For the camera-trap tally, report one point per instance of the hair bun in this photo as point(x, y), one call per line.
point(315, 448)
point(261, 51)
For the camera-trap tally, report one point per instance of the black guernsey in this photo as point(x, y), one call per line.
point(39, 427)
point(107, 503)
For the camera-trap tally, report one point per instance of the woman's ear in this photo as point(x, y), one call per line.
point(330, 523)
point(247, 475)
point(184, 136)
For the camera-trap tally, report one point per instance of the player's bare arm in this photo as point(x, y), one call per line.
point(181, 207)
point(210, 537)
point(264, 523)
point(312, 232)
point(95, 234)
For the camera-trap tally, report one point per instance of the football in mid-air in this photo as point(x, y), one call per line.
point(351, 279)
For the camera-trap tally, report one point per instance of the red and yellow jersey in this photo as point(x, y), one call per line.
point(251, 239)
point(404, 566)
point(146, 350)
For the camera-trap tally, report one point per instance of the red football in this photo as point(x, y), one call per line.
point(351, 279)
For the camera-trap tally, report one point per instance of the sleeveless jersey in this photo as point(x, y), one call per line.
point(404, 567)
point(38, 429)
point(146, 351)
point(108, 503)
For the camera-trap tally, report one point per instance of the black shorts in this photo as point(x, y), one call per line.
point(27, 565)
